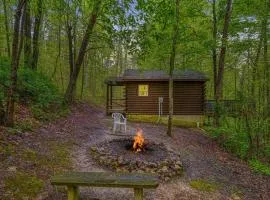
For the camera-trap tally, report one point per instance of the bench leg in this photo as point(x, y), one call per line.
point(138, 194)
point(73, 193)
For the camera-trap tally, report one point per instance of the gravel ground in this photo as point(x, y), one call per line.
point(200, 155)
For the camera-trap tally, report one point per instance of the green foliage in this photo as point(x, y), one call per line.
point(38, 88)
point(23, 186)
point(259, 167)
point(35, 89)
point(233, 141)
point(204, 185)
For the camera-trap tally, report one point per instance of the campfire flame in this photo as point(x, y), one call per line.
point(138, 141)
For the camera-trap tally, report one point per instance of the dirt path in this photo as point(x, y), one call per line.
point(201, 157)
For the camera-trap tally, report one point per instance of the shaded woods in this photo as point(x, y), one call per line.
point(53, 53)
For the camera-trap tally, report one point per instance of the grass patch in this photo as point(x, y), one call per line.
point(22, 186)
point(204, 185)
point(259, 167)
point(177, 121)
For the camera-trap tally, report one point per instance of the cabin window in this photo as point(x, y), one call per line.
point(143, 90)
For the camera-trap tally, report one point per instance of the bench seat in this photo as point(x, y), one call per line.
point(105, 179)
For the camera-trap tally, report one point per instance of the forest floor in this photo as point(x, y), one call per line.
point(209, 172)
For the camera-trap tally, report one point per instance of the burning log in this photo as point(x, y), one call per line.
point(138, 144)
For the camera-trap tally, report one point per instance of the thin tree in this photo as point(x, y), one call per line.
point(6, 27)
point(172, 64)
point(214, 49)
point(9, 114)
point(221, 63)
point(36, 34)
point(27, 36)
point(70, 92)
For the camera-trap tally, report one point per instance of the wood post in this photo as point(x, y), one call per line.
point(73, 193)
point(107, 99)
point(138, 193)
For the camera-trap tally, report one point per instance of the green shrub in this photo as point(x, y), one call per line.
point(38, 88)
point(233, 141)
point(35, 89)
point(259, 167)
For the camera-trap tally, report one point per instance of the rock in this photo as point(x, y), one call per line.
point(177, 167)
point(166, 179)
point(179, 163)
point(118, 170)
point(152, 164)
point(164, 169)
point(94, 149)
point(12, 169)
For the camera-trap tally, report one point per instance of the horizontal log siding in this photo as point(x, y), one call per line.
point(188, 98)
point(149, 104)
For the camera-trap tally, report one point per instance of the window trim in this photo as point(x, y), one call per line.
point(138, 89)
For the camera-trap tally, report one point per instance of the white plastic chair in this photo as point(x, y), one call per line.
point(118, 121)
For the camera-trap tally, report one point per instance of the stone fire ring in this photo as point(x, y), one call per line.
point(117, 154)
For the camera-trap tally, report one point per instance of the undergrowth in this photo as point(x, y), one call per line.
point(35, 90)
point(235, 138)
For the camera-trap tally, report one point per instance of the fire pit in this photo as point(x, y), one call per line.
point(138, 155)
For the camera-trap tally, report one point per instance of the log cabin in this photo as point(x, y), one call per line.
point(147, 93)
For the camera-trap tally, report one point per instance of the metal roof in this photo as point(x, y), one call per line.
point(157, 75)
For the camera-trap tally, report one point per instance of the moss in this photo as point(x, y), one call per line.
point(22, 186)
point(177, 121)
point(204, 185)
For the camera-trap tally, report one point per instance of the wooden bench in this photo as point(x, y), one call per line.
point(105, 179)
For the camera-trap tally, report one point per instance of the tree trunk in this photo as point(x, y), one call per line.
point(6, 27)
point(266, 60)
point(172, 64)
point(220, 73)
point(9, 115)
point(70, 50)
point(27, 36)
point(69, 95)
point(214, 50)
point(255, 64)
point(36, 34)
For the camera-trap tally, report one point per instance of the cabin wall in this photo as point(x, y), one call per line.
point(146, 104)
point(189, 97)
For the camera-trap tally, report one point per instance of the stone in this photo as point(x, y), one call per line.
point(12, 169)
point(178, 163)
point(166, 179)
point(177, 167)
point(164, 169)
point(152, 164)
point(94, 149)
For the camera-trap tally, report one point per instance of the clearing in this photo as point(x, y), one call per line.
point(209, 172)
